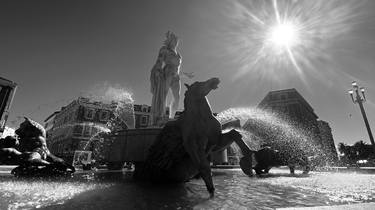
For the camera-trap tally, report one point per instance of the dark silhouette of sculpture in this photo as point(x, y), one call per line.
point(182, 148)
point(8, 147)
point(32, 154)
point(266, 158)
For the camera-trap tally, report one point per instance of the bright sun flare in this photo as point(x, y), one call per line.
point(283, 35)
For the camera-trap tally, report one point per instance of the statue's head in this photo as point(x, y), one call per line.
point(171, 40)
point(30, 128)
point(9, 142)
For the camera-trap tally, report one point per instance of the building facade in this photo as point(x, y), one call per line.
point(78, 125)
point(142, 115)
point(327, 140)
point(7, 91)
point(292, 107)
point(49, 122)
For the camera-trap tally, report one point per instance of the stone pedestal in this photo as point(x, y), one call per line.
point(220, 158)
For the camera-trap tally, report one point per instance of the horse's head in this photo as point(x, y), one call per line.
point(201, 89)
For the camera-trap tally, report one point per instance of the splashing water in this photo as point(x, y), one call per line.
point(234, 189)
point(263, 127)
point(119, 102)
point(41, 193)
point(120, 99)
point(107, 93)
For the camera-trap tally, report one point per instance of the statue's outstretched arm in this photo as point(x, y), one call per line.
point(189, 75)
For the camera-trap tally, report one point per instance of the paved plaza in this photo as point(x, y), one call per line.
point(234, 190)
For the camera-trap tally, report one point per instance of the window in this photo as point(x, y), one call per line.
point(104, 115)
point(87, 131)
point(95, 131)
point(78, 130)
point(89, 113)
point(144, 120)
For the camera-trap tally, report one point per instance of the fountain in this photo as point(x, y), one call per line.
point(234, 189)
point(295, 145)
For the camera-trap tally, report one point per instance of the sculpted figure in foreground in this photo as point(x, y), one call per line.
point(30, 152)
point(182, 148)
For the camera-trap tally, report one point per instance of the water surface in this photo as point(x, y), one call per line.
point(234, 190)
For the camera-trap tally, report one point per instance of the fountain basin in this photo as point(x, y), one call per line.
point(129, 146)
point(234, 190)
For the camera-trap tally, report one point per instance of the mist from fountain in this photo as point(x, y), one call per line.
point(261, 127)
point(121, 104)
point(234, 189)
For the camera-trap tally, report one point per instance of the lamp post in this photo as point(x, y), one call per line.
point(360, 99)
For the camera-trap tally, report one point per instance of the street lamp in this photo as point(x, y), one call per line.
point(358, 98)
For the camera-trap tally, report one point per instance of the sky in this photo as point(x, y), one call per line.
point(58, 50)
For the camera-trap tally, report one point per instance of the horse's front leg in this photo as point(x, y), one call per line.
point(233, 136)
point(246, 162)
point(199, 158)
point(306, 164)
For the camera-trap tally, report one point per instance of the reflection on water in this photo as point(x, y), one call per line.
point(234, 190)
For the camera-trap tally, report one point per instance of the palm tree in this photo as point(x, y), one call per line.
point(343, 148)
point(362, 150)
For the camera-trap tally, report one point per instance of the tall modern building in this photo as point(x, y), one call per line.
point(291, 106)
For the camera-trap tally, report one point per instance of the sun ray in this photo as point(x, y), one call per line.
point(279, 39)
point(276, 11)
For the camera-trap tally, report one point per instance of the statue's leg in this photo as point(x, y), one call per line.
point(246, 162)
point(9, 153)
point(306, 164)
point(258, 170)
point(291, 168)
point(175, 87)
point(199, 159)
point(59, 163)
point(34, 158)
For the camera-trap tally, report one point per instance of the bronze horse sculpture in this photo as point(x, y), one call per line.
point(181, 150)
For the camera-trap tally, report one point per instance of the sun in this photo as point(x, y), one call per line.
point(283, 35)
